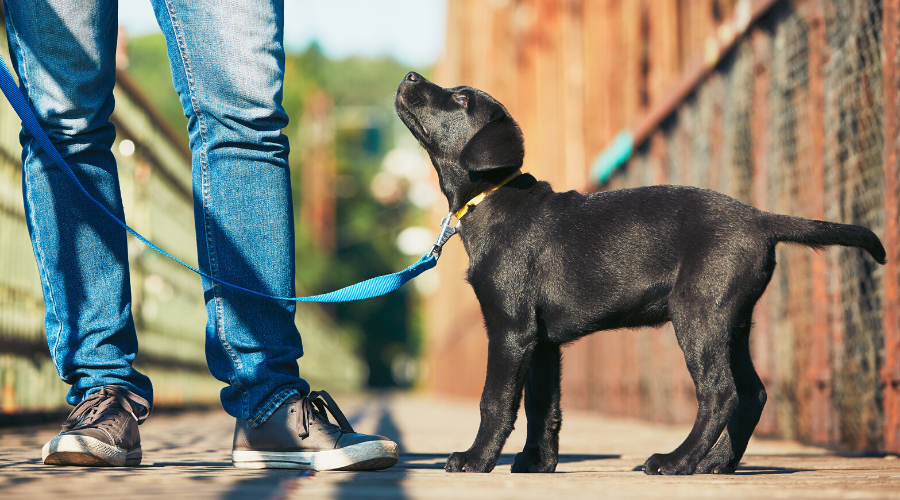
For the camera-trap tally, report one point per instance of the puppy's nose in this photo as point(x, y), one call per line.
point(413, 77)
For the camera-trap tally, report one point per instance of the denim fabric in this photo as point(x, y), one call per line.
point(228, 67)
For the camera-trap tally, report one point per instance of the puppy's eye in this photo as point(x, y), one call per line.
point(461, 99)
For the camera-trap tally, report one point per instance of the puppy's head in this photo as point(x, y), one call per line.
point(471, 138)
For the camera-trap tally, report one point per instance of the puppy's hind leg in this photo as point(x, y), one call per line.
point(725, 455)
point(704, 337)
point(542, 394)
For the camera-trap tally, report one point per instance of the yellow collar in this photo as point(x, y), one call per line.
point(476, 200)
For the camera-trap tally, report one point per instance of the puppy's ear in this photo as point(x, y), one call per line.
point(498, 144)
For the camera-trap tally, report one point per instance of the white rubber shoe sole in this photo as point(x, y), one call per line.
point(68, 449)
point(370, 455)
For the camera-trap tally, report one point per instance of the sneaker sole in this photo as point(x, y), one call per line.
point(370, 455)
point(87, 452)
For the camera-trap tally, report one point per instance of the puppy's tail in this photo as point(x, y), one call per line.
point(819, 234)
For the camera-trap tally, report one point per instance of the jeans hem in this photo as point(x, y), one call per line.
point(271, 406)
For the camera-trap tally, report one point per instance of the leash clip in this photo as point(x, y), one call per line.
point(446, 232)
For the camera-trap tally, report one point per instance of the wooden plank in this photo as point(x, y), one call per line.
point(891, 368)
point(447, 69)
point(664, 62)
point(575, 166)
point(629, 76)
point(716, 124)
point(506, 49)
point(597, 50)
point(528, 115)
point(761, 343)
point(821, 411)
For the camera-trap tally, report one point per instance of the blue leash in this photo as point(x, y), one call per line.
point(364, 290)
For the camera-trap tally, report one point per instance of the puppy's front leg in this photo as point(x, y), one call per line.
point(508, 359)
point(542, 394)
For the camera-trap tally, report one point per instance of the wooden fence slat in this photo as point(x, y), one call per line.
point(759, 133)
point(822, 413)
point(891, 369)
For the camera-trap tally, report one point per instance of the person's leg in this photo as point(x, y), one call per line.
point(64, 55)
point(228, 67)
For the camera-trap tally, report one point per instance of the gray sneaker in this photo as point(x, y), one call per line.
point(300, 436)
point(101, 431)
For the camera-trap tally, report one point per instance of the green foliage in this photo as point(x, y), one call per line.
point(149, 67)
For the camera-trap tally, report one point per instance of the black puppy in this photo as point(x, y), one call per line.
point(549, 268)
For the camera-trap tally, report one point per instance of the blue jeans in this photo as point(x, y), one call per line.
point(227, 61)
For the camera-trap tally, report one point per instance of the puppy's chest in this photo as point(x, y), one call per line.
point(502, 270)
point(502, 254)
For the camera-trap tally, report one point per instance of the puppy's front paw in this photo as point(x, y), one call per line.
point(461, 462)
point(529, 460)
point(666, 464)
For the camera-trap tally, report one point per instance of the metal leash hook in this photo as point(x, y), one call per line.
point(446, 232)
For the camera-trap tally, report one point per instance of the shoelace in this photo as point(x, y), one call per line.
point(317, 405)
point(108, 400)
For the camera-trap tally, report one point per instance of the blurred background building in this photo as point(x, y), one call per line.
point(787, 105)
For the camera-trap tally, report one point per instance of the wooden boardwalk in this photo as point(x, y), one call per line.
point(187, 456)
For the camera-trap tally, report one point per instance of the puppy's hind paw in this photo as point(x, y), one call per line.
point(660, 464)
point(529, 460)
point(713, 463)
